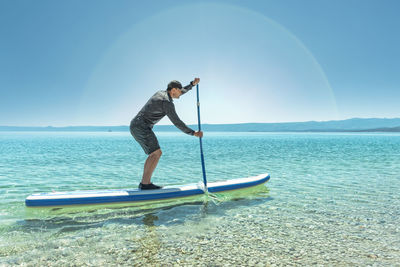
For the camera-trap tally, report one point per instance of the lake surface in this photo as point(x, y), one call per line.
point(333, 199)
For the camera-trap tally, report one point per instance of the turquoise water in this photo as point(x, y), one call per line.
point(332, 200)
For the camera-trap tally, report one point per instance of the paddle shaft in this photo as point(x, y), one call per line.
point(201, 142)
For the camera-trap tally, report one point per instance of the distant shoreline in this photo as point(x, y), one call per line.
point(389, 130)
point(350, 125)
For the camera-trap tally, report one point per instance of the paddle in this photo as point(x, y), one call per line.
point(201, 142)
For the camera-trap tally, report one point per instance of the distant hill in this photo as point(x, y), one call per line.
point(67, 128)
point(350, 125)
point(393, 129)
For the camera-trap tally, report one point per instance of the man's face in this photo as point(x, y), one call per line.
point(176, 93)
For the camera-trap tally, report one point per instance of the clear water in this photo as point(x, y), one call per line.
point(333, 199)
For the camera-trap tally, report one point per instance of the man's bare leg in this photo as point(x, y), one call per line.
point(150, 165)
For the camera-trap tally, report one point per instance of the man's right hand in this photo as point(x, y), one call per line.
point(195, 81)
point(198, 134)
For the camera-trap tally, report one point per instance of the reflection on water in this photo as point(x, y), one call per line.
point(84, 217)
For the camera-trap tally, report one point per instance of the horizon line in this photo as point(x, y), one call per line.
point(238, 123)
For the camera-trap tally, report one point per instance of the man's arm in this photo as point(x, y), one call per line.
point(187, 88)
point(171, 113)
point(190, 85)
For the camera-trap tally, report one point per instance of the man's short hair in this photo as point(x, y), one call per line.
point(174, 84)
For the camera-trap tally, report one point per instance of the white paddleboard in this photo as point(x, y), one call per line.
point(135, 195)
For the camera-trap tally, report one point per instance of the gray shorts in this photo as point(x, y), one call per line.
point(144, 135)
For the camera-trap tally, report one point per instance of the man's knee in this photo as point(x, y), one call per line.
point(157, 153)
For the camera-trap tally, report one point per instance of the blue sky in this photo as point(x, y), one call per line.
point(97, 62)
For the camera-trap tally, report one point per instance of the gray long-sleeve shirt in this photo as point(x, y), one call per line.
point(161, 104)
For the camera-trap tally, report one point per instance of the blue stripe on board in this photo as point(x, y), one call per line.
point(109, 199)
point(215, 189)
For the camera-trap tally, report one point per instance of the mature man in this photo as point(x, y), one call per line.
point(159, 105)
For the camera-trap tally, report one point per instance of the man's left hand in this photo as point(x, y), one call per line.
point(198, 134)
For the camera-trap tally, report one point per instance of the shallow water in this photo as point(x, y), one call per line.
point(332, 200)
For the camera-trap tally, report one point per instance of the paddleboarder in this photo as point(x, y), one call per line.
point(159, 105)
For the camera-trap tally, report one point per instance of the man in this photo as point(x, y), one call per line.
point(159, 105)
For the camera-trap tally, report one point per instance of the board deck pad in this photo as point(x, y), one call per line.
point(90, 197)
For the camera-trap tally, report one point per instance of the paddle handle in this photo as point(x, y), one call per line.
point(201, 141)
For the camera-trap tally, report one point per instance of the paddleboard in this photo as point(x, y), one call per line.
point(90, 197)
